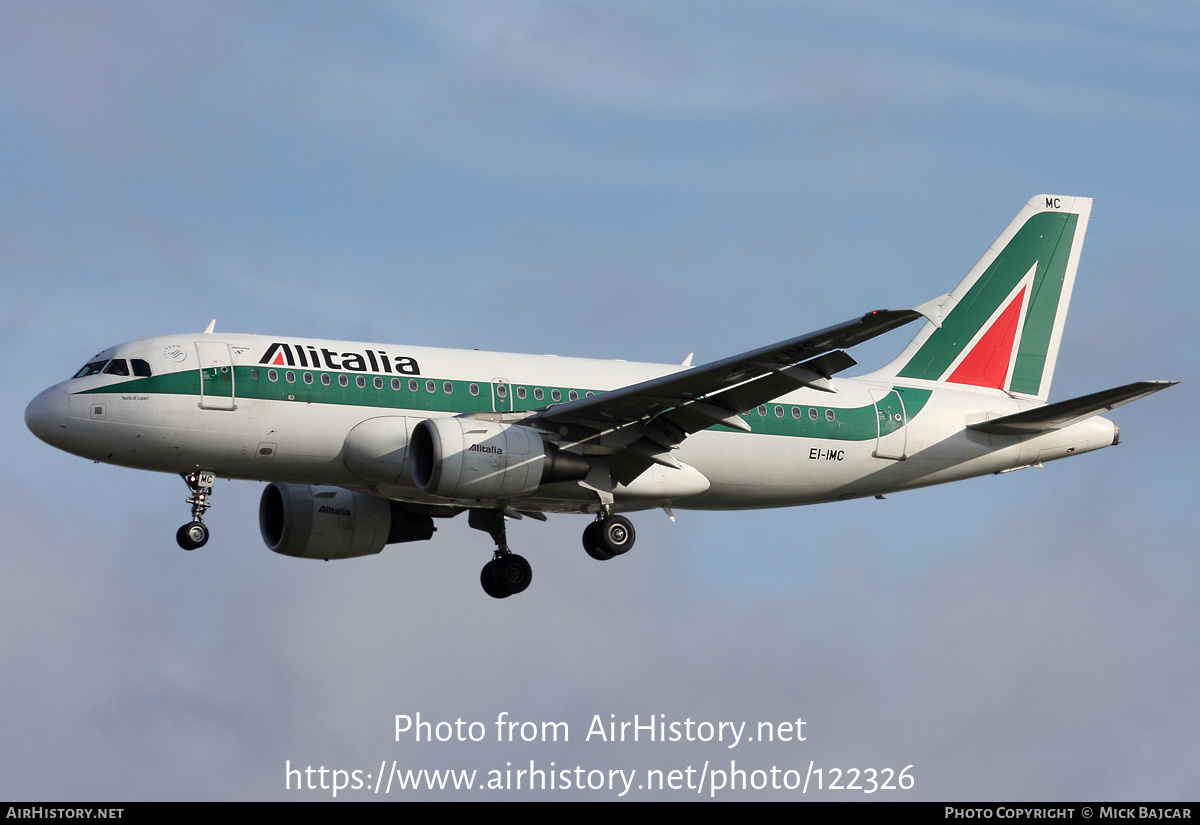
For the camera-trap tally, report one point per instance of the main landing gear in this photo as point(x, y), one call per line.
point(608, 536)
point(507, 573)
point(194, 534)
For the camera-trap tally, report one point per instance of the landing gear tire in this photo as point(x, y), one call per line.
point(615, 535)
point(512, 573)
point(591, 543)
point(487, 578)
point(505, 576)
point(192, 535)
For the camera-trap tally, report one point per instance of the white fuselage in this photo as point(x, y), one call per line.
point(249, 407)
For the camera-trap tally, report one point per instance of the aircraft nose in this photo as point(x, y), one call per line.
point(46, 415)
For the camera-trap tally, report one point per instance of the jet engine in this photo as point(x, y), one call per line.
point(469, 458)
point(377, 449)
point(333, 523)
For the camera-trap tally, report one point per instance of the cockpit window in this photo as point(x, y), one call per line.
point(90, 369)
point(117, 366)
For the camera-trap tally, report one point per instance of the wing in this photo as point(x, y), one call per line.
point(648, 420)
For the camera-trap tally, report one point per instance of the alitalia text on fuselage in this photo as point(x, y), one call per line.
point(308, 355)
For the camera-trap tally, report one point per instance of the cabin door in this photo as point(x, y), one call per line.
point(216, 376)
point(892, 434)
point(501, 395)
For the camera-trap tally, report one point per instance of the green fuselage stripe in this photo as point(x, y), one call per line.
point(851, 424)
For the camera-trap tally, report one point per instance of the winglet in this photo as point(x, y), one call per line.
point(933, 309)
point(211, 326)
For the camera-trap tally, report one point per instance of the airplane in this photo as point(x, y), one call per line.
point(365, 445)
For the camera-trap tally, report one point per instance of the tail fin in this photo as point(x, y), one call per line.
point(1002, 325)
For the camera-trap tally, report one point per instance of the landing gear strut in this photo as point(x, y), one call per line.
point(608, 536)
point(194, 534)
point(507, 573)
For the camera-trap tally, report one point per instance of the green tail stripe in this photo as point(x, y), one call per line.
point(1044, 239)
point(1043, 309)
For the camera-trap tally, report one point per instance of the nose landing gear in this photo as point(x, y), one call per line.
point(195, 534)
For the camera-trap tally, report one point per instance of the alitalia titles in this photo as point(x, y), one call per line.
point(307, 355)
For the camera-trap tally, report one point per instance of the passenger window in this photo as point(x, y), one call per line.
point(501, 391)
point(117, 366)
point(325, 379)
point(431, 386)
point(812, 413)
point(555, 395)
point(572, 395)
point(778, 411)
point(539, 393)
point(360, 381)
point(396, 384)
point(474, 388)
point(253, 373)
point(795, 412)
point(290, 377)
point(762, 410)
point(447, 387)
point(272, 375)
point(589, 394)
point(343, 380)
point(829, 415)
point(412, 385)
point(142, 369)
point(521, 393)
point(308, 378)
point(378, 383)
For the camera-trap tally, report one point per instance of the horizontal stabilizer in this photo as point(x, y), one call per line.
point(1065, 413)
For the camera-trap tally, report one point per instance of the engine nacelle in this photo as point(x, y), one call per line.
point(332, 523)
point(377, 449)
point(469, 458)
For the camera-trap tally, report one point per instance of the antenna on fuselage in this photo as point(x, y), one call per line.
point(211, 324)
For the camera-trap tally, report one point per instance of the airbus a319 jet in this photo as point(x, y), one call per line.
point(365, 445)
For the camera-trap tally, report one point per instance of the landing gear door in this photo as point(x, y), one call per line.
point(216, 376)
point(892, 434)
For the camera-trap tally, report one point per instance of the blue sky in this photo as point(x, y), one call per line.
point(617, 180)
